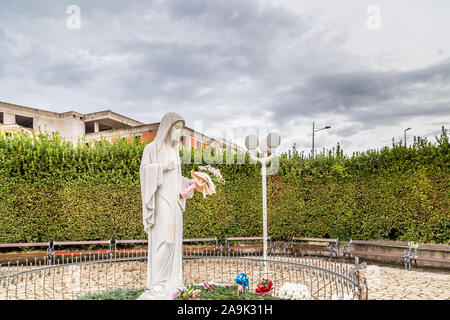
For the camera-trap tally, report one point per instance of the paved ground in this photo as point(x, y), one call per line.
point(384, 281)
point(393, 282)
point(396, 283)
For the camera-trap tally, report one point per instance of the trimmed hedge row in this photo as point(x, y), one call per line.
point(50, 190)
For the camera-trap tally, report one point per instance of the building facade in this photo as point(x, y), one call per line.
point(74, 126)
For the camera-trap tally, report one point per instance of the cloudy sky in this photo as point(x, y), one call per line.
point(368, 69)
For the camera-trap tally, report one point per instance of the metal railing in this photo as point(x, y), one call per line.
point(76, 276)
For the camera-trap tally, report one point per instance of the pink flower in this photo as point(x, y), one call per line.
point(208, 286)
point(197, 293)
point(174, 295)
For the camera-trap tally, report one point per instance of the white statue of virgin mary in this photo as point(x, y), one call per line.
point(162, 209)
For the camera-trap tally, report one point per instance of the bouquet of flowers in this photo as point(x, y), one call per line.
point(294, 291)
point(187, 294)
point(217, 176)
point(264, 287)
point(242, 281)
point(203, 182)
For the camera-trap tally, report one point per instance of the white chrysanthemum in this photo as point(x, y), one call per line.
point(294, 291)
point(342, 297)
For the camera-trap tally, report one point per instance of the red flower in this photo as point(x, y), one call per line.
point(264, 287)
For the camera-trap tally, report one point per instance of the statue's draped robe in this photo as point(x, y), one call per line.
point(162, 209)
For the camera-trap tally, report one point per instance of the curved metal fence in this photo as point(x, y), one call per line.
point(76, 276)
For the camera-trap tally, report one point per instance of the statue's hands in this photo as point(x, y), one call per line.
point(188, 190)
point(169, 165)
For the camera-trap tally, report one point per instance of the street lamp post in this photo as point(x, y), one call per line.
point(272, 141)
point(404, 131)
point(324, 128)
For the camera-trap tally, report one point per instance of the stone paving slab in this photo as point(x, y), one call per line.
point(385, 282)
point(396, 283)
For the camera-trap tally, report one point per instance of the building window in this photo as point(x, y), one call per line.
point(88, 127)
point(25, 122)
point(104, 127)
point(1, 117)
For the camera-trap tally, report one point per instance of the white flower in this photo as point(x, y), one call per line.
point(342, 297)
point(294, 291)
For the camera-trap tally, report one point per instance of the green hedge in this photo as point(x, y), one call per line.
point(51, 190)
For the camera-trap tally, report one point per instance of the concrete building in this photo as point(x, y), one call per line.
point(74, 126)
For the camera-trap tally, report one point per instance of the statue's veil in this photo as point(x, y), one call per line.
point(166, 123)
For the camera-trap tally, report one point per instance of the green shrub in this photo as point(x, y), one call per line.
point(119, 294)
point(52, 190)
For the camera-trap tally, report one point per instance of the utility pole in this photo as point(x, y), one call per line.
point(405, 134)
point(324, 128)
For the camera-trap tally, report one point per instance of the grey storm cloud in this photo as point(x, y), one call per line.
point(222, 43)
point(209, 59)
point(370, 96)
